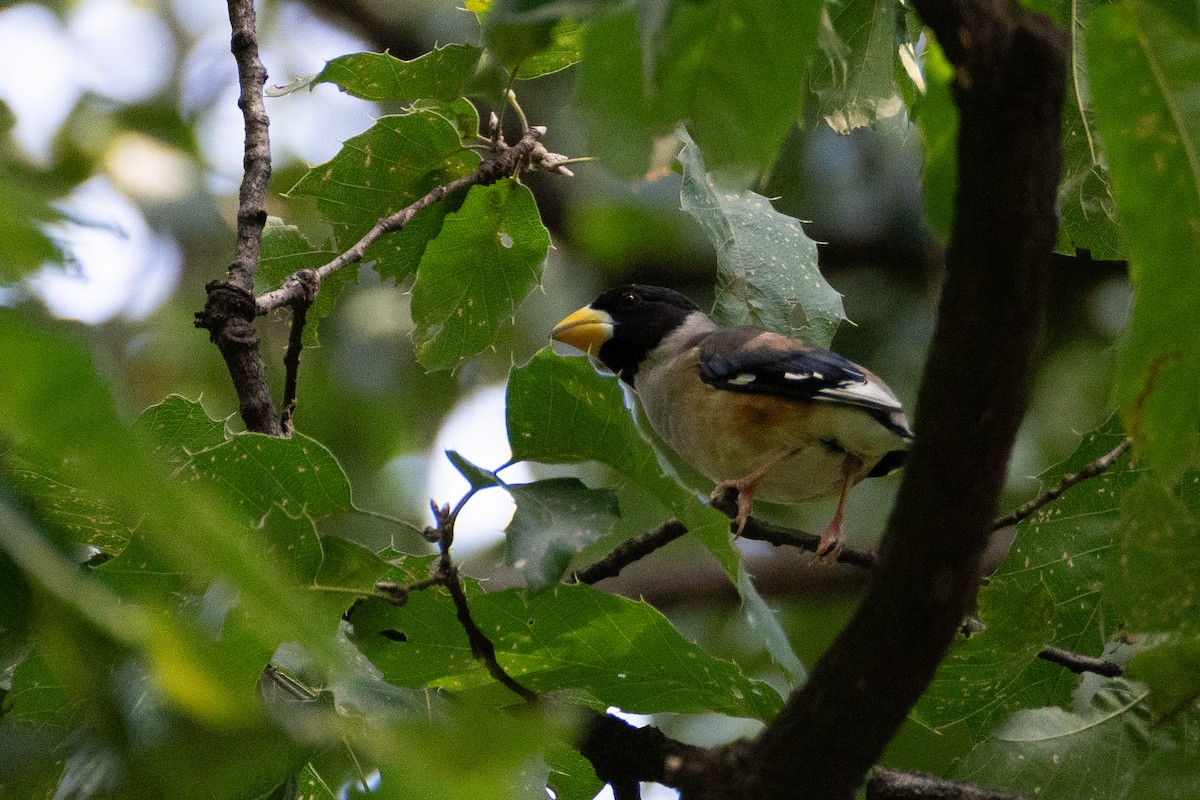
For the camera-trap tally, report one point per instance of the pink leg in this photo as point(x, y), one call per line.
point(745, 490)
point(831, 538)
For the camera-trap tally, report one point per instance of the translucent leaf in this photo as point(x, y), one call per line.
point(566, 40)
point(1143, 67)
point(442, 74)
point(767, 271)
point(473, 276)
point(937, 124)
point(1047, 592)
point(734, 70)
point(554, 520)
point(854, 77)
point(1107, 747)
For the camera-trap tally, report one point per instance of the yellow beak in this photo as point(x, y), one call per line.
point(586, 330)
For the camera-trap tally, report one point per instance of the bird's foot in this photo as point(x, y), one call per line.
point(830, 546)
point(745, 493)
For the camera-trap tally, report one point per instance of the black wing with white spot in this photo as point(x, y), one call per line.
point(760, 362)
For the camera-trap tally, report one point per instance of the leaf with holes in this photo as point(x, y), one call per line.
point(1047, 592)
point(554, 520)
point(486, 259)
point(767, 272)
point(442, 74)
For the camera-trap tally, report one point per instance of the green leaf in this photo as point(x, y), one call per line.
point(1088, 217)
point(473, 276)
point(1152, 587)
point(257, 472)
point(377, 173)
point(613, 650)
point(1047, 592)
point(285, 251)
point(1107, 747)
point(564, 50)
point(478, 477)
point(855, 80)
point(1143, 63)
point(443, 74)
point(554, 520)
point(734, 70)
point(767, 271)
point(64, 506)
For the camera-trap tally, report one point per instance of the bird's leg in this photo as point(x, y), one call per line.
point(745, 489)
point(831, 538)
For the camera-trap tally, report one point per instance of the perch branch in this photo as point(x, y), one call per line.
point(630, 551)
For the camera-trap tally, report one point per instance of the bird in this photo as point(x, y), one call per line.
point(772, 416)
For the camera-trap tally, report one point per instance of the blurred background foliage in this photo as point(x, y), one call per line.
point(120, 162)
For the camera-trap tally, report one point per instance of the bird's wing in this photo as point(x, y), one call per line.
point(752, 360)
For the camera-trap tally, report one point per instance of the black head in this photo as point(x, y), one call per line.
point(642, 316)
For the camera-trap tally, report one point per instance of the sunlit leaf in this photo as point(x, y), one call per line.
point(442, 74)
point(486, 259)
point(613, 650)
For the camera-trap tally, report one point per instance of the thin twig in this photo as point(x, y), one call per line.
point(1090, 471)
point(447, 573)
point(630, 551)
point(528, 153)
point(291, 359)
point(1079, 663)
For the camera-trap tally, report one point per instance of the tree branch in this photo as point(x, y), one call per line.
point(1009, 85)
point(528, 153)
point(229, 310)
point(630, 551)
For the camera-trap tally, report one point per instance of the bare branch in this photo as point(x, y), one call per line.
point(528, 154)
point(1053, 493)
point(1079, 663)
point(630, 551)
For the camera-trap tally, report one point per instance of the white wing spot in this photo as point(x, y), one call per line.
point(797, 376)
point(742, 379)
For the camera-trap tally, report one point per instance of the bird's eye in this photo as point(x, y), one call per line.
point(628, 300)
